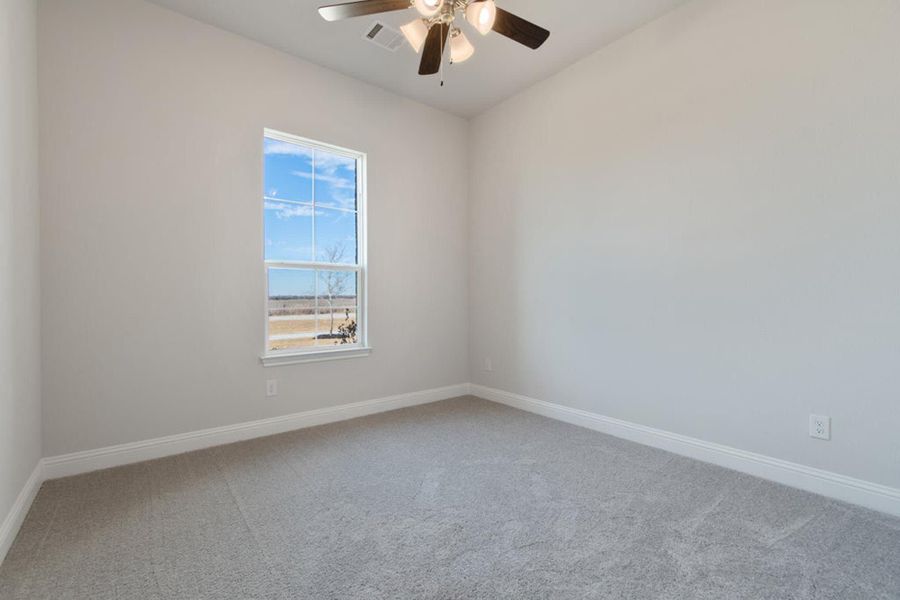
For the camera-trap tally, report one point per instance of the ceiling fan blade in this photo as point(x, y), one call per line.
point(520, 30)
point(336, 12)
point(434, 49)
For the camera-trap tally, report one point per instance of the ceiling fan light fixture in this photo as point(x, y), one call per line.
point(436, 27)
point(461, 49)
point(481, 15)
point(415, 33)
point(428, 8)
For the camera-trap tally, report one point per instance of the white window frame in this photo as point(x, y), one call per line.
point(274, 358)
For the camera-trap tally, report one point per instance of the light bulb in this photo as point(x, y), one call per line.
point(428, 8)
point(461, 49)
point(481, 15)
point(415, 33)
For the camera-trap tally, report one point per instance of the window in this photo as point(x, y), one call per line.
point(313, 205)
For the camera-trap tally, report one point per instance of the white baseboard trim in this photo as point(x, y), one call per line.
point(114, 456)
point(856, 491)
point(13, 521)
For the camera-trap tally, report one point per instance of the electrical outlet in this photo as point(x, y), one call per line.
point(488, 366)
point(271, 388)
point(820, 427)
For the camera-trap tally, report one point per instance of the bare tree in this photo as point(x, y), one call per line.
point(335, 281)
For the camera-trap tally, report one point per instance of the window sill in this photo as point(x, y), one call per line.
point(278, 360)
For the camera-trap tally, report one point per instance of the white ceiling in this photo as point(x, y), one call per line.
point(499, 68)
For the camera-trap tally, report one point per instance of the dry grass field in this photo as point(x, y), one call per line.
point(300, 331)
point(293, 323)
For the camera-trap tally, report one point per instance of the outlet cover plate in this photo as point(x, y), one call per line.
point(820, 427)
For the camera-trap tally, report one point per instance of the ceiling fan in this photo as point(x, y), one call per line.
point(428, 33)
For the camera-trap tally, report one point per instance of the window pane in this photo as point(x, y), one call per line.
point(337, 308)
point(288, 171)
point(335, 181)
point(289, 231)
point(335, 236)
point(292, 308)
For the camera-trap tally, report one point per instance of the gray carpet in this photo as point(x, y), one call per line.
point(459, 499)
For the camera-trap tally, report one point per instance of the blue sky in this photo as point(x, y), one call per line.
point(295, 174)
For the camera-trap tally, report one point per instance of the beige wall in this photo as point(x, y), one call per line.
point(151, 163)
point(694, 229)
point(699, 230)
point(20, 401)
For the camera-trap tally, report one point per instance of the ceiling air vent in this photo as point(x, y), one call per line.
point(384, 35)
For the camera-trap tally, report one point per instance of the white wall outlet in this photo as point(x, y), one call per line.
point(271, 388)
point(488, 365)
point(820, 427)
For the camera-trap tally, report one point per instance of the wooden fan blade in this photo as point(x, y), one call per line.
point(336, 12)
point(520, 30)
point(434, 49)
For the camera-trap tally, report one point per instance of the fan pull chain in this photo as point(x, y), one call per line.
point(442, 58)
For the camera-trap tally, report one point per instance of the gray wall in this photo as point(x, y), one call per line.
point(151, 141)
point(699, 230)
point(20, 394)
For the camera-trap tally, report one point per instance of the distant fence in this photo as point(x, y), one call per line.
point(283, 307)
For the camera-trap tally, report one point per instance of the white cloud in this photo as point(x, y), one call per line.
point(334, 180)
point(338, 172)
point(340, 201)
point(277, 147)
point(332, 162)
point(327, 167)
point(288, 211)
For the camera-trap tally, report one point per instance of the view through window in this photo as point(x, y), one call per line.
point(313, 211)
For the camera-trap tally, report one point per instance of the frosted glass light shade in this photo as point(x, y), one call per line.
point(415, 33)
point(481, 15)
point(461, 49)
point(428, 8)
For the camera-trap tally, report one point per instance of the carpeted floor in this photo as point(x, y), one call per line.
point(459, 499)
